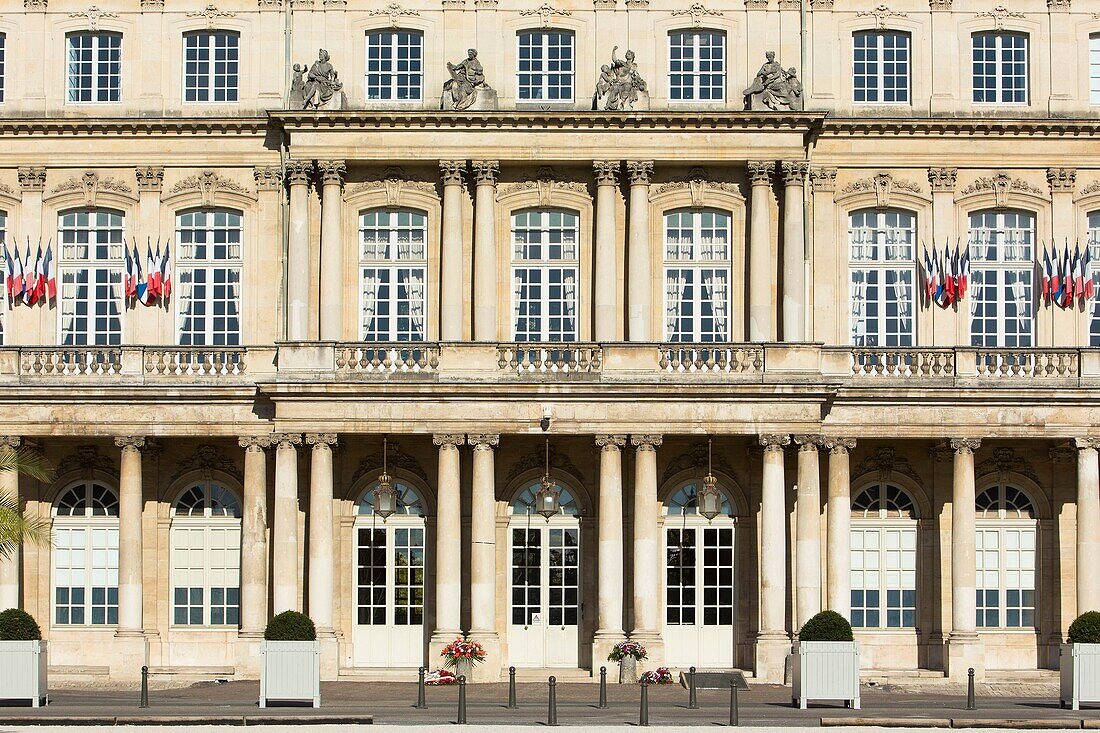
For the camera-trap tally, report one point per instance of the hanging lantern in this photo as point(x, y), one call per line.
point(708, 500)
point(385, 496)
point(548, 498)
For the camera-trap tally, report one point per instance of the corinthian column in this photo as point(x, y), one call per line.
point(9, 566)
point(448, 543)
point(609, 623)
point(647, 556)
point(606, 295)
point(321, 541)
point(450, 296)
point(254, 536)
point(1088, 525)
point(129, 537)
point(332, 250)
point(838, 559)
point(638, 254)
point(483, 555)
point(297, 283)
point(963, 645)
point(794, 251)
point(773, 641)
point(807, 572)
point(284, 560)
point(485, 250)
point(761, 253)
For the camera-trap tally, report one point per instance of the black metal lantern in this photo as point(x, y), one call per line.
point(548, 498)
point(708, 500)
point(385, 495)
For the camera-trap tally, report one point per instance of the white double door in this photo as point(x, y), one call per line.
point(699, 595)
point(388, 623)
point(544, 593)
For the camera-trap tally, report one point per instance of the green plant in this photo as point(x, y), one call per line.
point(290, 626)
point(826, 626)
point(18, 625)
point(15, 526)
point(1085, 629)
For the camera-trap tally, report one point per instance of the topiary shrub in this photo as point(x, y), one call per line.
point(826, 626)
point(290, 626)
point(17, 625)
point(1085, 629)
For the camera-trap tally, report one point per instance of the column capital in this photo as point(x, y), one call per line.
point(32, 178)
point(838, 446)
point(149, 177)
point(823, 178)
point(254, 442)
point(10, 441)
point(267, 178)
point(942, 180)
point(611, 442)
point(794, 172)
point(646, 441)
point(760, 172)
point(808, 442)
point(486, 172)
point(639, 171)
point(448, 440)
point(483, 441)
point(130, 442)
point(1062, 180)
point(286, 440)
point(321, 440)
point(1086, 443)
point(298, 172)
point(965, 445)
point(607, 172)
point(774, 441)
point(452, 172)
point(332, 172)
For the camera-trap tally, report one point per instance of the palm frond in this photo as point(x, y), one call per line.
point(17, 527)
point(27, 462)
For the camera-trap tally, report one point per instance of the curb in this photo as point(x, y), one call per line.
point(888, 722)
point(243, 720)
point(1020, 724)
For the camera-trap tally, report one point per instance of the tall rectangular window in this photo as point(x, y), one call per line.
point(544, 69)
point(206, 564)
point(3, 247)
point(395, 66)
point(883, 580)
point(1094, 306)
point(393, 264)
point(1001, 279)
point(1000, 68)
point(94, 66)
point(91, 277)
point(697, 276)
point(882, 273)
point(85, 575)
point(211, 66)
point(1094, 68)
point(880, 71)
point(209, 256)
point(544, 275)
point(3, 64)
point(696, 66)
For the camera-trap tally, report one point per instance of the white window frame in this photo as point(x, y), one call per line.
point(895, 559)
point(399, 264)
point(206, 556)
point(884, 250)
point(1012, 266)
point(96, 556)
point(3, 65)
point(100, 79)
point(543, 72)
point(1001, 562)
point(697, 260)
point(207, 83)
point(694, 74)
point(104, 268)
point(553, 273)
point(1094, 68)
point(875, 70)
point(4, 300)
point(230, 266)
point(390, 80)
point(999, 50)
point(1093, 243)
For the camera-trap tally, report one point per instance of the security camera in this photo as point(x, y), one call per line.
point(545, 422)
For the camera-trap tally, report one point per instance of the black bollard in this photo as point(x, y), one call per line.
point(733, 703)
point(421, 698)
point(603, 689)
point(144, 703)
point(512, 688)
point(643, 713)
point(462, 699)
point(971, 704)
point(693, 699)
point(552, 712)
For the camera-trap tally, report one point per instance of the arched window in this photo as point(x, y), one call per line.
point(544, 66)
point(395, 66)
point(544, 275)
point(1005, 545)
point(524, 503)
point(209, 255)
point(85, 555)
point(93, 66)
point(696, 66)
point(880, 66)
point(91, 277)
point(883, 558)
point(393, 261)
point(408, 501)
point(1002, 247)
point(206, 556)
point(685, 500)
point(1000, 66)
point(211, 66)
point(1094, 246)
point(882, 274)
point(697, 275)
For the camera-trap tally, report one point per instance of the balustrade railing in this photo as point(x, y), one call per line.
point(711, 358)
point(195, 361)
point(1039, 363)
point(557, 358)
point(70, 361)
point(386, 358)
point(871, 362)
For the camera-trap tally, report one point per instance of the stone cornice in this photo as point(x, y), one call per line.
point(944, 127)
point(134, 126)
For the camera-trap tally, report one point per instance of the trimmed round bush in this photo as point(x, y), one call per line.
point(826, 626)
point(1085, 629)
point(290, 626)
point(18, 625)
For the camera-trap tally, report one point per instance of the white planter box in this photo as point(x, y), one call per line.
point(290, 671)
point(1080, 674)
point(23, 667)
point(825, 670)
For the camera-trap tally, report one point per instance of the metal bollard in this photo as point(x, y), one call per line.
point(970, 702)
point(552, 713)
point(462, 699)
point(603, 689)
point(512, 688)
point(421, 699)
point(643, 713)
point(693, 699)
point(734, 714)
point(144, 703)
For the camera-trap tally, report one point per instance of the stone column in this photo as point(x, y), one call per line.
point(321, 539)
point(638, 254)
point(1088, 525)
point(483, 556)
point(448, 545)
point(838, 557)
point(606, 294)
point(297, 264)
point(332, 249)
point(450, 295)
point(794, 250)
point(647, 547)
point(9, 566)
point(807, 531)
point(129, 537)
point(773, 641)
point(485, 250)
point(761, 253)
point(254, 536)
point(284, 542)
point(609, 607)
point(963, 645)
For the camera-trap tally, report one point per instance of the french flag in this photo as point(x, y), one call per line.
point(964, 269)
point(1078, 273)
point(929, 276)
point(151, 275)
point(1087, 266)
point(9, 273)
point(1047, 277)
point(49, 274)
point(165, 284)
point(129, 283)
point(33, 286)
point(949, 280)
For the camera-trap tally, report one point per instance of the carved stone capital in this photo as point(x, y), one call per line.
point(1058, 5)
point(640, 171)
point(268, 178)
point(821, 4)
point(774, 441)
point(823, 178)
point(607, 172)
point(610, 442)
point(10, 441)
point(130, 442)
point(794, 172)
point(807, 442)
point(942, 180)
point(646, 441)
point(1086, 443)
point(448, 441)
point(452, 172)
point(298, 172)
point(939, 4)
point(284, 441)
point(838, 446)
point(32, 178)
point(332, 172)
point(486, 172)
point(35, 4)
point(483, 441)
point(1062, 179)
point(254, 442)
point(760, 172)
point(965, 445)
point(149, 177)
point(321, 440)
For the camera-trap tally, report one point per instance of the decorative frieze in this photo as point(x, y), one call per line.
point(84, 459)
point(207, 458)
point(883, 463)
point(546, 182)
point(91, 184)
point(546, 13)
point(150, 178)
point(268, 178)
point(93, 15)
point(1062, 179)
point(942, 180)
point(394, 12)
point(823, 178)
point(883, 185)
point(1091, 188)
point(1001, 185)
point(6, 189)
point(698, 12)
point(639, 171)
point(394, 181)
point(536, 461)
point(396, 459)
point(212, 15)
point(760, 172)
point(207, 184)
point(698, 183)
point(32, 179)
point(999, 14)
point(881, 14)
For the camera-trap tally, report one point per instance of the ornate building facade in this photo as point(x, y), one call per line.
point(625, 270)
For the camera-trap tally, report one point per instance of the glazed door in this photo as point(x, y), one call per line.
point(699, 597)
point(389, 596)
point(545, 596)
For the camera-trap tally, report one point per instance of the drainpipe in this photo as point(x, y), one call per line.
point(284, 154)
